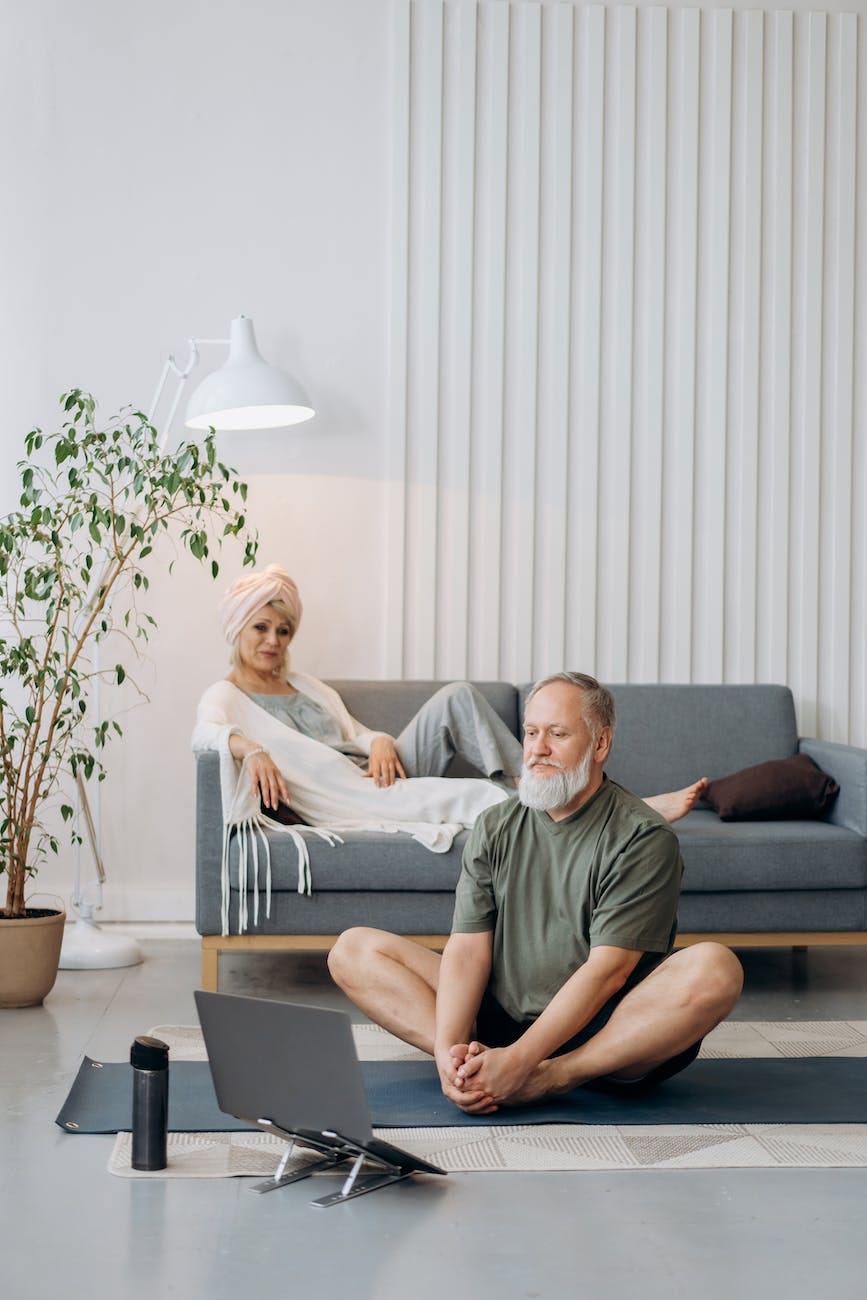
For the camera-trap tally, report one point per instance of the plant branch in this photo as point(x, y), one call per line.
point(85, 524)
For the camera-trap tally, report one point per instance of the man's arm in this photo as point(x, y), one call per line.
point(499, 1072)
point(464, 972)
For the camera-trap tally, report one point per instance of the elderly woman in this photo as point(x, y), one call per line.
point(291, 751)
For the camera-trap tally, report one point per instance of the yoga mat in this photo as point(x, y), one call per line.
point(406, 1094)
point(100, 1100)
point(793, 1090)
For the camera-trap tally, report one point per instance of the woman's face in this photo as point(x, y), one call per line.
point(263, 642)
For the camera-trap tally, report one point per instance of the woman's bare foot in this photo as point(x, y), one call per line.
point(677, 803)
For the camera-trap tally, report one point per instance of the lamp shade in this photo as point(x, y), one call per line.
point(247, 393)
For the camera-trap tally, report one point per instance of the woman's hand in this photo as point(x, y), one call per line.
point(266, 779)
point(383, 763)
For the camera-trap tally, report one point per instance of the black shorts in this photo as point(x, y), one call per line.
point(496, 1028)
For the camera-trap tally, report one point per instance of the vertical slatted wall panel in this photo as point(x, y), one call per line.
point(456, 341)
point(489, 302)
point(424, 352)
point(398, 382)
point(550, 543)
point(582, 464)
point(648, 420)
point(517, 525)
point(628, 328)
point(678, 517)
point(858, 551)
point(836, 501)
point(772, 586)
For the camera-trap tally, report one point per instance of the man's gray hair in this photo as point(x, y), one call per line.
point(598, 700)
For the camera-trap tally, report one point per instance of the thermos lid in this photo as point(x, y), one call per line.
point(149, 1054)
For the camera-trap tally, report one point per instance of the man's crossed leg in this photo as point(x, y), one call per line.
point(650, 1032)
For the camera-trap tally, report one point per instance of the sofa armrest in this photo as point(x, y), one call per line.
point(209, 842)
point(848, 766)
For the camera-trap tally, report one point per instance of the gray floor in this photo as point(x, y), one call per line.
point(66, 1223)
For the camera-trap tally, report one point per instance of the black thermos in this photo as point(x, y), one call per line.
point(149, 1058)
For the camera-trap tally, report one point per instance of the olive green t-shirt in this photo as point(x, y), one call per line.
point(551, 891)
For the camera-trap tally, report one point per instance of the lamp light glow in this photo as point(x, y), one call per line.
point(246, 392)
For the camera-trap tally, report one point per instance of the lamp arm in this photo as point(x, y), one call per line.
point(171, 367)
point(182, 374)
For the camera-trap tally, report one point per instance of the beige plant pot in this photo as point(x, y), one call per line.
point(29, 953)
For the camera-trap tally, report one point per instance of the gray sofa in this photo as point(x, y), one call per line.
point(747, 883)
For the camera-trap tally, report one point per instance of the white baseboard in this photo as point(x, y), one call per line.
point(152, 929)
point(131, 905)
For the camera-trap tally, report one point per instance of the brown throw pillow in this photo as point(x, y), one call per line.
point(784, 788)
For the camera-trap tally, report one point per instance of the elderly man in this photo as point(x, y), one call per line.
point(559, 970)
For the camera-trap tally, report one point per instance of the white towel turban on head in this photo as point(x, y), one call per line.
point(254, 590)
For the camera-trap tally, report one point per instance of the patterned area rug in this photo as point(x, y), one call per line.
point(557, 1146)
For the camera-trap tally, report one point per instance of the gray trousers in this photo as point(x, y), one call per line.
point(458, 720)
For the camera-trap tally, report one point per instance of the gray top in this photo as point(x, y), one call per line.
point(304, 714)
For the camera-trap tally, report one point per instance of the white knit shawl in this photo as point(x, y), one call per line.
point(327, 789)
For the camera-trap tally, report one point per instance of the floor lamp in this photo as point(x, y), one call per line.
point(244, 393)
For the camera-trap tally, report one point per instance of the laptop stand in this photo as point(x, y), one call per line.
point(335, 1151)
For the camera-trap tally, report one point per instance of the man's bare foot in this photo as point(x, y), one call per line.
point(677, 803)
point(543, 1082)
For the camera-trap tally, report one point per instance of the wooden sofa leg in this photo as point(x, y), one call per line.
point(210, 967)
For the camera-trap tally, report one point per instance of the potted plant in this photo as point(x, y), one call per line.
point(94, 504)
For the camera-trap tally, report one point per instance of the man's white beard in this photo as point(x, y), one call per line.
point(557, 790)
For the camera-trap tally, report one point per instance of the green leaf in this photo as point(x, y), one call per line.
point(121, 673)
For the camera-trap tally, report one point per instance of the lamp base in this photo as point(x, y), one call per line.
point(87, 947)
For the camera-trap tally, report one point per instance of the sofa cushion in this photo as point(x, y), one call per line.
point(717, 856)
point(366, 860)
point(669, 736)
point(768, 856)
point(782, 788)
point(389, 706)
point(778, 912)
point(329, 913)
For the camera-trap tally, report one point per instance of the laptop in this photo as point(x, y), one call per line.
point(293, 1071)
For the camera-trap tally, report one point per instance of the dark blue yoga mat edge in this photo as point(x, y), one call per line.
point(406, 1094)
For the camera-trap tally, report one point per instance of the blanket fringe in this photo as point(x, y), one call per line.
point(247, 832)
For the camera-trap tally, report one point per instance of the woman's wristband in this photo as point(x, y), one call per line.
point(252, 752)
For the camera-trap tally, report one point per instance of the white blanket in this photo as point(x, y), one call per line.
point(327, 789)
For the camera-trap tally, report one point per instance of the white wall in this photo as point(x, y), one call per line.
point(173, 165)
point(434, 213)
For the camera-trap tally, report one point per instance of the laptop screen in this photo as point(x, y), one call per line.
point(294, 1065)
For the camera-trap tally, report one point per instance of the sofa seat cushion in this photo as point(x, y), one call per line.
point(718, 856)
point(779, 912)
point(731, 856)
point(366, 860)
